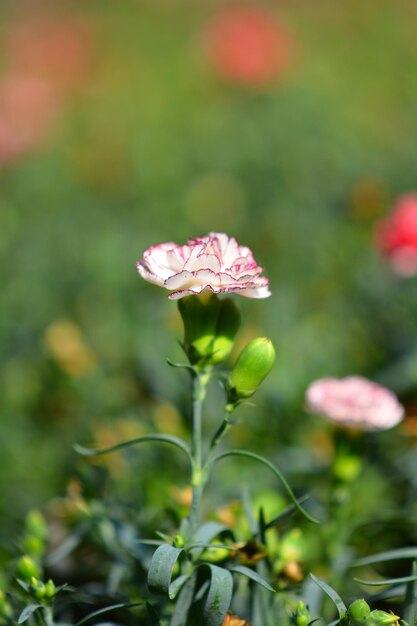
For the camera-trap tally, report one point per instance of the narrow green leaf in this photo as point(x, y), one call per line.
point(289, 510)
point(183, 366)
point(27, 612)
point(410, 604)
point(388, 581)
point(106, 609)
point(183, 603)
point(160, 437)
point(274, 470)
point(219, 595)
point(390, 555)
point(176, 586)
point(333, 595)
point(250, 573)
point(204, 535)
point(161, 568)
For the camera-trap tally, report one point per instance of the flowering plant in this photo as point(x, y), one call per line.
point(210, 572)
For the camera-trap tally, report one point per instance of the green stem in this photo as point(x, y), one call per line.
point(223, 429)
point(199, 389)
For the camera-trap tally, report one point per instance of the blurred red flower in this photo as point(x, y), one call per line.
point(55, 49)
point(396, 235)
point(248, 45)
point(28, 108)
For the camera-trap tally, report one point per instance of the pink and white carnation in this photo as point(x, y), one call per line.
point(215, 262)
point(355, 402)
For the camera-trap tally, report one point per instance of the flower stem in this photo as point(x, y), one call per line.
point(199, 388)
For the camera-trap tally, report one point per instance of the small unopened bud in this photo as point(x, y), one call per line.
point(228, 323)
point(35, 524)
point(178, 541)
point(33, 545)
point(253, 365)
point(50, 589)
point(301, 616)
point(27, 568)
point(38, 588)
point(382, 618)
point(359, 612)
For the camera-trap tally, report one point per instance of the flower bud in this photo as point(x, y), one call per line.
point(215, 555)
point(228, 323)
point(382, 618)
point(301, 617)
point(35, 524)
point(253, 365)
point(359, 612)
point(50, 589)
point(27, 568)
point(38, 588)
point(178, 541)
point(33, 545)
point(199, 315)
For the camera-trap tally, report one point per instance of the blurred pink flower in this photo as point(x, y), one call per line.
point(28, 108)
point(248, 45)
point(214, 262)
point(354, 401)
point(396, 235)
point(55, 49)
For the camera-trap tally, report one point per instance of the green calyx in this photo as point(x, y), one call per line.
point(253, 365)
point(210, 327)
point(359, 612)
point(301, 616)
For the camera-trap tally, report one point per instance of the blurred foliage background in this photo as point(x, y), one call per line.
point(128, 123)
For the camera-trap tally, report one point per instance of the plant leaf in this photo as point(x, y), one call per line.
point(205, 534)
point(274, 470)
point(161, 568)
point(382, 583)
point(183, 603)
point(333, 595)
point(107, 609)
point(27, 612)
point(250, 573)
point(219, 595)
point(390, 555)
point(175, 441)
point(409, 608)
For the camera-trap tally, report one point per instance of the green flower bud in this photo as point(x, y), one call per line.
point(199, 315)
point(33, 545)
point(35, 524)
point(253, 365)
point(50, 589)
point(301, 617)
point(382, 618)
point(228, 323)
point(178, 541)
point(359, 612)
point(215, 555)
point(38, 588)
point(347, 467)
point(27, 568)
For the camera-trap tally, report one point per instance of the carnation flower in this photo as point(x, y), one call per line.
point(396, 236)
point(247, 45)
point(214, 262)
point(356, 402)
